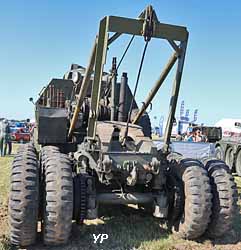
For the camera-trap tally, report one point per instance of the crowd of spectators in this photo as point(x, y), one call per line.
point(193, 134)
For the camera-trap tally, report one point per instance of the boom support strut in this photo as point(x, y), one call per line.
point(146, 25)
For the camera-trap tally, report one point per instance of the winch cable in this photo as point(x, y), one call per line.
point(119, 64)
point(123, 56)
point(134, 93)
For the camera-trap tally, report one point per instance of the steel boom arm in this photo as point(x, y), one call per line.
point(121, 25)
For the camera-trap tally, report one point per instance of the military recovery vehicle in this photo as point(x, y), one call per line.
point(92, 147)
point(229, 148)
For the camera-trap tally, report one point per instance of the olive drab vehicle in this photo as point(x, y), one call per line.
point(92, 146)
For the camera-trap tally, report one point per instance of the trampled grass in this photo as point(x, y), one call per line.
point(5, 165)
point(127, 228)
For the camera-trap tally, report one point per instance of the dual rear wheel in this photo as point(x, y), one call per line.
point(191, 204)
point(55, 204)
point(24, 197)
point(203, 199)
point(225, 196)
point(58, 196)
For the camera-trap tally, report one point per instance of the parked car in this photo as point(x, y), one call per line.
point(20, 134)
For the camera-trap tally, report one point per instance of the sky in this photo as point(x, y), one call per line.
point(41, 39)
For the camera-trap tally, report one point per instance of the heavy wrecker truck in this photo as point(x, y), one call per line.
point(229, 148)
point(92, 146)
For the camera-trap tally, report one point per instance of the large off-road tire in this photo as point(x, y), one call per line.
point(24, 196)
point(229, 157)
point(225, 198)
point(219, 154)
point(58, 198)
point(238, 163)
point(193, 202)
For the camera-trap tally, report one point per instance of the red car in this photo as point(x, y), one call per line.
point(20, 135)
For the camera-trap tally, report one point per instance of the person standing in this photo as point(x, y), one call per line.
point(191, 137)
point(204, 137)
point(3, 137)
point(198, 136)
point(190, 128)
point(8, 141)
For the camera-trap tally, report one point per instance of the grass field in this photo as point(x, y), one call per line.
point(5, 163)
point(128, 228)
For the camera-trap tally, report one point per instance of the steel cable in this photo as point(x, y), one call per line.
point(134, 93)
